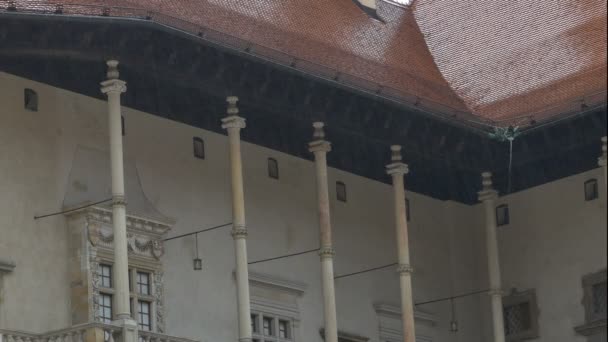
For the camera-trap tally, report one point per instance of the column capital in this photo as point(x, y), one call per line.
point(232, 119)
point(319, 144)
point(487, 192)
point(113, 85)
point(396, 167)
point(602, 160)
point(327, 252)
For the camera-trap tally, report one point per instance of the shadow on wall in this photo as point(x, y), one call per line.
point(90, 181)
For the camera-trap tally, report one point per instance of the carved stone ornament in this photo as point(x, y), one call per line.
point(93, 232)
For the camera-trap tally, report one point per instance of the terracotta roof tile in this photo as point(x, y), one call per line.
point(498, 59)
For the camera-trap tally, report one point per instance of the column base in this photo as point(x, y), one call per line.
point(128, 329)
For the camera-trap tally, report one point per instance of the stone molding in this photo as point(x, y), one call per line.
point(327, 252)
point(233, 121)
point(277, 284)
point(394, 311)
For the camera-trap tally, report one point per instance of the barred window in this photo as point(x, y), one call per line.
point(594, 286)
point(520, 314)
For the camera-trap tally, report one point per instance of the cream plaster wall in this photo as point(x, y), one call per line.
point(37, 148)
point(555, 238)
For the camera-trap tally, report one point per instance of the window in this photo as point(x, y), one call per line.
point(143, 283)
point(105, 276)
point(273, 168)
point(30, 99)
point(341, 191)
point(141, 298)
point(591, 190)
point(502, 215)
point(143, 318)
point(271, 328)
point(520, 314)
point(105, 308)
point(594, 301)
point(198, 146)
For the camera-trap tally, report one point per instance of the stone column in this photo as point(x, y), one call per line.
point(602, 161)
point(488, 196)
point(113, 88)
point(319, 146)
point(397, 169)
point(233, 124)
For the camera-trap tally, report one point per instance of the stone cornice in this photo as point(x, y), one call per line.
point(392, 311)
point(137, 224)
point(591, 329)
point(276, 283)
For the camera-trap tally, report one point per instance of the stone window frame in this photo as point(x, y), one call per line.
point(345, 337)
point(134, 296)
point(257, 320)
point(522, 297)
point(594, 324)
point(595, 193)
point(285, 308)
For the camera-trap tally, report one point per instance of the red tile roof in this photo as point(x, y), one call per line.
point(498, 59)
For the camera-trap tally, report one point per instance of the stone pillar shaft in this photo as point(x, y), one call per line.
point(397, 170)
point(233, 124)
point(488, 197)
point(319, 147)
point(113, 88)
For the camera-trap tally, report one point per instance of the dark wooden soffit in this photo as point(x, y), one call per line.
point(182, 78)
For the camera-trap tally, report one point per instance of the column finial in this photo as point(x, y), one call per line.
point(604, 157)
point(486, 180)
point(232, 118)
point(319, 132)
point(396, 153)
point(112, 73)
point(233, 109)
point(318, 143)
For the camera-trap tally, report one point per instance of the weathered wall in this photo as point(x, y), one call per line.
point(555, 238)
point(37, 152)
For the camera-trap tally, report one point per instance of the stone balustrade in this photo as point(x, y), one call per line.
point(80, 333)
